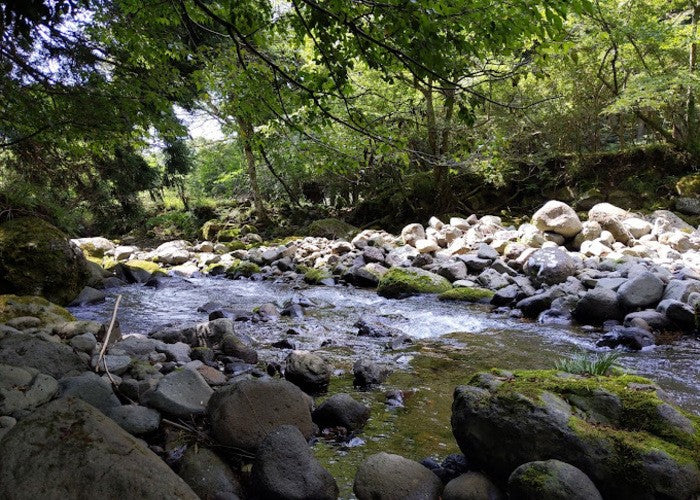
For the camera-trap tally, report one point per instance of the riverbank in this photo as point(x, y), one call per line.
point(286, 313)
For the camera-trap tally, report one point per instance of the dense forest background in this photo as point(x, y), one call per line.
point(378, 112)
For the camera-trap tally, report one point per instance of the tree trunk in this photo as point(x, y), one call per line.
point(692, 125)
point(246, 131)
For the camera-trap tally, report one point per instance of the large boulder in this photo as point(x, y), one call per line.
point(284, 467)
point(23, 389)
point(242, 414)
point(597, 306)
point(38, 259)
point(309, 371)
point(400, 282)
point(173, 252)
point(643, 290)
point(471, 486)
point(412, 233)
point(557, 217)
point(332, 229)
point(553, 480)
point(208, 475)
point(611, 219)
point(385, 476)
point(341, 410)
point(182, 393)
point(502, 420)
point(68, 449)
point(13, 306)
point(550, 266)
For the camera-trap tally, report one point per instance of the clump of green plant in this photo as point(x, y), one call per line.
point(312, 275)
point(587, 364)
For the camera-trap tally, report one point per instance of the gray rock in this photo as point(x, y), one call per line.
point(88, 295)
point(32, 351)
point(341, 410)
point(117, 364)
point(643, 290)
point(492, 279)
point(180, 393)
point(308, 371)
point(6, 423)
point(553, 480)
point(231, 345)
point(557, 217)
point(487, 252)
point(68, 449)
point(375, 327)
point(550, 266)
point(135, 419)
point(656, 321)
point(387, 477)
point(84, 343)
point(23, 389)
point(178, 352)
point(92, 389)
point(24, 322)
point(596, 306)
point(138, 346)
point(284, 467)
point(452, 270)
point(243, 413)
point(368, 373)
point(208, 475)
point(610, 283)
point(688, 205)
point(71, 329)
point(471, 486)
point(681, 289)
point(474, 264)
point(680, 314)
point(533, 306)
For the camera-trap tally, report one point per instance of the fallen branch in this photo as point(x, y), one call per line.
point(101, 356)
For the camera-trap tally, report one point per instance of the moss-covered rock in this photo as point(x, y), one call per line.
point(38, 259)
point(236, 245)
point(400, 282)
point(13, 306)
point(467, 294)
point(211, 228)
point(144, 265)
point(616, 429)
point(332, 229)
point(242, 268)
point(228, 235)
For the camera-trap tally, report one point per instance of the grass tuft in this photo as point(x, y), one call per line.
point(587, 364)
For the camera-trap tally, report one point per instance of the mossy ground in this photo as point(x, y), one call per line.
point(398, 282)
point(466, 294)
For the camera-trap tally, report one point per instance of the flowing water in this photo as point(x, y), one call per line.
point(482, 338)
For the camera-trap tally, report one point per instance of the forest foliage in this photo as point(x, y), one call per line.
point(380, 111)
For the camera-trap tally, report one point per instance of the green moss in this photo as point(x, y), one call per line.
point(13, 306)
point(640, 429)
point(242, 268)
point(534, 478)
point(236, 245)
point(211, 228)
point(332, 229)
point(398, 282)
point(467, 294)
point(144, 265)
point(248, 229)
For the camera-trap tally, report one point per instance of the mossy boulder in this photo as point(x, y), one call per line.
point(38, 259)
point(211, 228)
point(242, 268)
point(689, 185)
point(13, 306)
point(467, 294)
point(615, 429)
point(400, 282)
point(332, 229)
point(228, 235)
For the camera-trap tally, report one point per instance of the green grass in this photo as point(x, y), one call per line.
point(587, 364)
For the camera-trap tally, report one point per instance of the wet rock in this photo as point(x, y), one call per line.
point(178, 352)
point(88, 295)
point(208, 475)
point(23, 389)
point(533, 306)
point(554, 317)
point(117, 364)
point(68, 446)
point(376, 327)
point(550, 266)
point(85, 343)
point(492, 279)
point(284, 467)
point(596, 306)
point(31, 351)
point(633, 338)
point(680, 314)
point(551, 479)
point(92, 389)
point(557, 217)
point(655, 320)
point(341, 410)
point(211, 375)
point(471, 486)
point(386, 477)
point(135, 419)
point(243, 413)
point(181, 393)
point(368, 373)
point(231, 345)
point(308, 371)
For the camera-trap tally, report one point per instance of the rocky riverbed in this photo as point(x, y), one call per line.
point(228, 354)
